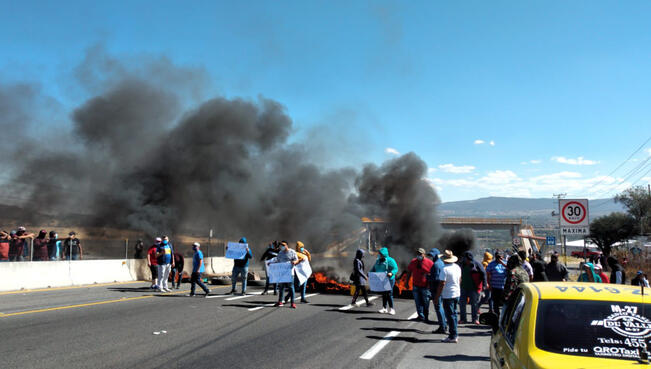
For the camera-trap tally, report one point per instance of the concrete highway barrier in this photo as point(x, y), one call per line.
point(44, 274)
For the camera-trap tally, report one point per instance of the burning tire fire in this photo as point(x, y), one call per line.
point(321, 283)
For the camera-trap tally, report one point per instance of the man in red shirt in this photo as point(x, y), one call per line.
point(419, 268)
point(5, 239)
point(152, 262)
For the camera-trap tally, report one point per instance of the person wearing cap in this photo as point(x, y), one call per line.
point(152, 262)
point(449, 291)
point(241, 268)
point(17, 249)
point(197, 268)
point(555, 270)
point(496, 276)
point(165, 259)
point(640, 279)
point(72, 247)
point(473, 281)
point(40, 247)
point(286, 255)
point(600, 271)
point(435, 277)
point(386, 264)
point(419, 267)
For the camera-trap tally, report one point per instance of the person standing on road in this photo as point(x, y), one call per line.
point(588, 274)
point(286, 255)
point(241, 267)
point(359, 278)
point(197, 269)
point(449, 291)
point(17, 247)
point(40, 246)
point(435, 277)
point(516, 275)
point(473, 280)
point(72, 247)
point(152, 262)
point(177, 270)
point(302, 251)
point(165, 258)
point(386, 264)
point(538, 266)
point(600, 272)
point(525, 263)
point(270, 253)
point(496, 276)
point(555, 270)
point(617, 273)
point(418, 268)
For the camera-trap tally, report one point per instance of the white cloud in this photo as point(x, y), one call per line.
point(508, 183)
point(648, 151)
point(431, 170)
point(492, 143)
point(578, 161)
point(391, 151)
point(451, 168)
point(532, 162)
point(479, 142)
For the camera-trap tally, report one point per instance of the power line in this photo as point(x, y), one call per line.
point(622, 164)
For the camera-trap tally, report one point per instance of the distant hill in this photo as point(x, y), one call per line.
point(538, 211)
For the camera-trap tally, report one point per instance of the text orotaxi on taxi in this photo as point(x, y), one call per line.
point(572, 325)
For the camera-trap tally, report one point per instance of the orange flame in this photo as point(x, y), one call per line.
point(321, 282)
point(404, 284)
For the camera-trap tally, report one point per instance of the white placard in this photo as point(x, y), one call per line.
point(280, 272)
point(379, 282)
point(236, 250)
point(303, 271)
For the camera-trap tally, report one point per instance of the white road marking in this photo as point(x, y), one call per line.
point(243, 297)
point(272, 304)
point(359, 303)
point(368, 355)
point(215, 296)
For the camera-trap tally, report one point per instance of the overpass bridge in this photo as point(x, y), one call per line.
point(508, 224)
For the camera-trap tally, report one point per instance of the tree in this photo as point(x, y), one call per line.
point(610, 229)
point(637, 201)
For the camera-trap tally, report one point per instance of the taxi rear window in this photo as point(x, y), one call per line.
point(616, 330)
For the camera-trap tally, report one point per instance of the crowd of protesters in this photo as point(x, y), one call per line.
point(452, 283)
point(21, 245)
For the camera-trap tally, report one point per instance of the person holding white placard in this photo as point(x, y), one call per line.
point(286, 254)
point(386, 264)
point(301, 250)
point(241, 268)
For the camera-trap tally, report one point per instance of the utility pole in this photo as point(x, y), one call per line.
point(558, 197)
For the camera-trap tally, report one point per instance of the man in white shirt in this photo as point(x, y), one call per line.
point(449, 290)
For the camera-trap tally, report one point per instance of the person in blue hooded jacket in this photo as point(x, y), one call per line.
point(386, 263)
point(435, 277)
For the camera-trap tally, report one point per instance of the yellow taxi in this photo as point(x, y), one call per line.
point(558, 325)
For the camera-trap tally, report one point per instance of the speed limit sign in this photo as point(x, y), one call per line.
point(574, 217)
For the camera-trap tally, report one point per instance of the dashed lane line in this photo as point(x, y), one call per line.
point(348, 307)
point(244, 296)
point(273, 303)
point(375, 349)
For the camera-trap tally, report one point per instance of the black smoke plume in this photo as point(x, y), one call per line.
point(135, 157)
point(457, 241)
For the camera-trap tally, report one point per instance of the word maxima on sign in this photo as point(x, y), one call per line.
point(580, 231)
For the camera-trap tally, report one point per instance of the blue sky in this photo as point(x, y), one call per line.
point(499, 98)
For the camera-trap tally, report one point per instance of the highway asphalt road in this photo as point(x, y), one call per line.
point(121, 326)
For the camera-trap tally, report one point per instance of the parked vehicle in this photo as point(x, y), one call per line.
point(557, 325)
point(585, 253)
